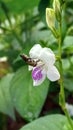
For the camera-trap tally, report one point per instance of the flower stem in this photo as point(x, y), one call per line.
point(62, 94)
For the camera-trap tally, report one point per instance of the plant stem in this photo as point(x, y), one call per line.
point(62, 94)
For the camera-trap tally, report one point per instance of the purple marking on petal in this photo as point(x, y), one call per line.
point(37, 73)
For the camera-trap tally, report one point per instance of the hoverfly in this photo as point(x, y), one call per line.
point(29, 60)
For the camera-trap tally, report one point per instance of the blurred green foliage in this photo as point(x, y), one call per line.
point(22, 24)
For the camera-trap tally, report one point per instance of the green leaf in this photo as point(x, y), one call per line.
point(28, 100)
point(42, 8)
point(68, 76)
point(68, 84)
point(6, 105)
point(68, 44)
point(18, 6)
point(51, 122)
point(68, 41)
point(43, 35)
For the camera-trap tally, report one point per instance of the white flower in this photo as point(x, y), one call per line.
point(45, 65)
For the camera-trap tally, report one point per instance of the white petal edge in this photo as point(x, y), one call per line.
point(48, 50)
point(47, 56)
point(35, 50)
point(39, 82)
point(53, 74)
point(30, 67)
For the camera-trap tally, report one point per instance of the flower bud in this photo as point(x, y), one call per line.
point(57, 9)
point(50, 17)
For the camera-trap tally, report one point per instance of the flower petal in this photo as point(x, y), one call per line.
point(53, 73)
point(47, 56)
point(39, 80)
point(30, 67)
point(35, 50)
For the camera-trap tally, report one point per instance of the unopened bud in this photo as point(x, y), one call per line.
point(57, 9)
point(50, 17)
